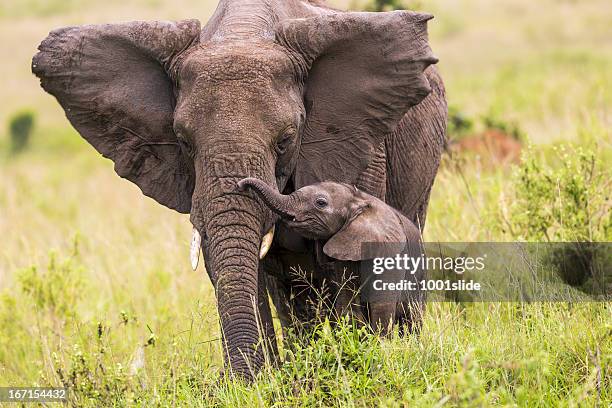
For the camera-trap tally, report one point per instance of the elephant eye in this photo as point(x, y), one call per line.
point(321, 202)
point(284, 141)
point(186, 147)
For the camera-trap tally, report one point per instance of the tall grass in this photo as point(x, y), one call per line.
point(96, 291)
point(98, 296)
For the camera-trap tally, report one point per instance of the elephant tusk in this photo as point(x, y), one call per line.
point(196, 247)
point(266, 243)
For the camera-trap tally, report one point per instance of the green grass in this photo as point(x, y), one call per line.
point(93, 275)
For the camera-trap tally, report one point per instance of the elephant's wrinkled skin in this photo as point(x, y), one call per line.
point(290, 92)
point(345, 218)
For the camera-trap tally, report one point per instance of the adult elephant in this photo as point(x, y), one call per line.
point(290, 92)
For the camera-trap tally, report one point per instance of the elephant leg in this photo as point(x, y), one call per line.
point(347, 298)
point(409, 317)
point(291, 289)
point(311, 297)
point(411, 307)
point(279, 285)
point(374, 181)
point(266, 323)
point(414, 150)
point(274, 283)
point(382, 316)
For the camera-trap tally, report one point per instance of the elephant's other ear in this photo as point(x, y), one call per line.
point(375, 222)
point(364, 70)
point(116, 85)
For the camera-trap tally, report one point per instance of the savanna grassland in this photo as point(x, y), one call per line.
point(96, 291)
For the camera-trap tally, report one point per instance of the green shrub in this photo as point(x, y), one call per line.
point(20, 129)
point(459, 124)
point(55, 290)
point(90, 378)
point(566, 203)
point(335, 363)
point(494, 122)
point(570, 202)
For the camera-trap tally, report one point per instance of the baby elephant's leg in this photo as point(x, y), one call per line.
point(410, 317)
point(382, 316)
point(412, 306)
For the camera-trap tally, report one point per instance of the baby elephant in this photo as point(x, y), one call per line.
point(346, 218)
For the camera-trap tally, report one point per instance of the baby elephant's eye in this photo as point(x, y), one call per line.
point(321, 202)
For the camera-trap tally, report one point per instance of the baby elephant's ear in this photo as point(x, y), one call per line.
point(377, 223)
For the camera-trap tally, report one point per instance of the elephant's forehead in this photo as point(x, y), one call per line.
point(258, 62)
point(332, 188)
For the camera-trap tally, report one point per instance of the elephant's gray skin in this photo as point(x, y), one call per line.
point(345, 218)
point(288, 91)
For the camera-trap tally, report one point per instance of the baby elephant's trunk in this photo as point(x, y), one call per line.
point(279, 203)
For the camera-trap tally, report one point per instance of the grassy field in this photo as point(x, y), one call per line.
point(96, 290)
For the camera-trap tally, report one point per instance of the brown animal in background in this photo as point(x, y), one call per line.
point(494, 147)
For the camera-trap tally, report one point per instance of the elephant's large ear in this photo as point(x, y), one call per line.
point(374, 222)
point(115, 84)
point(364, 70)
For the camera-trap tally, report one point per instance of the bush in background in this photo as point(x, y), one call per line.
point(55, 290)
point(570, 202)
point(494, 122)
point(459, 124)
point(20, 129)
point(390, 5)
point(567, 203)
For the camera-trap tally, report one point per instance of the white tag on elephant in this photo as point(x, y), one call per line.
point(196, 241)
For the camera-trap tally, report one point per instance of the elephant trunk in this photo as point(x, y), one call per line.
point(277, 202)
point(232, 253)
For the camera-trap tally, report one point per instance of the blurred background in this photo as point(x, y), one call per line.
point(545, 63)
point(90, 253)
point(515, 71)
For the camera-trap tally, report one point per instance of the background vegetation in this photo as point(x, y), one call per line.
point(96, 292)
